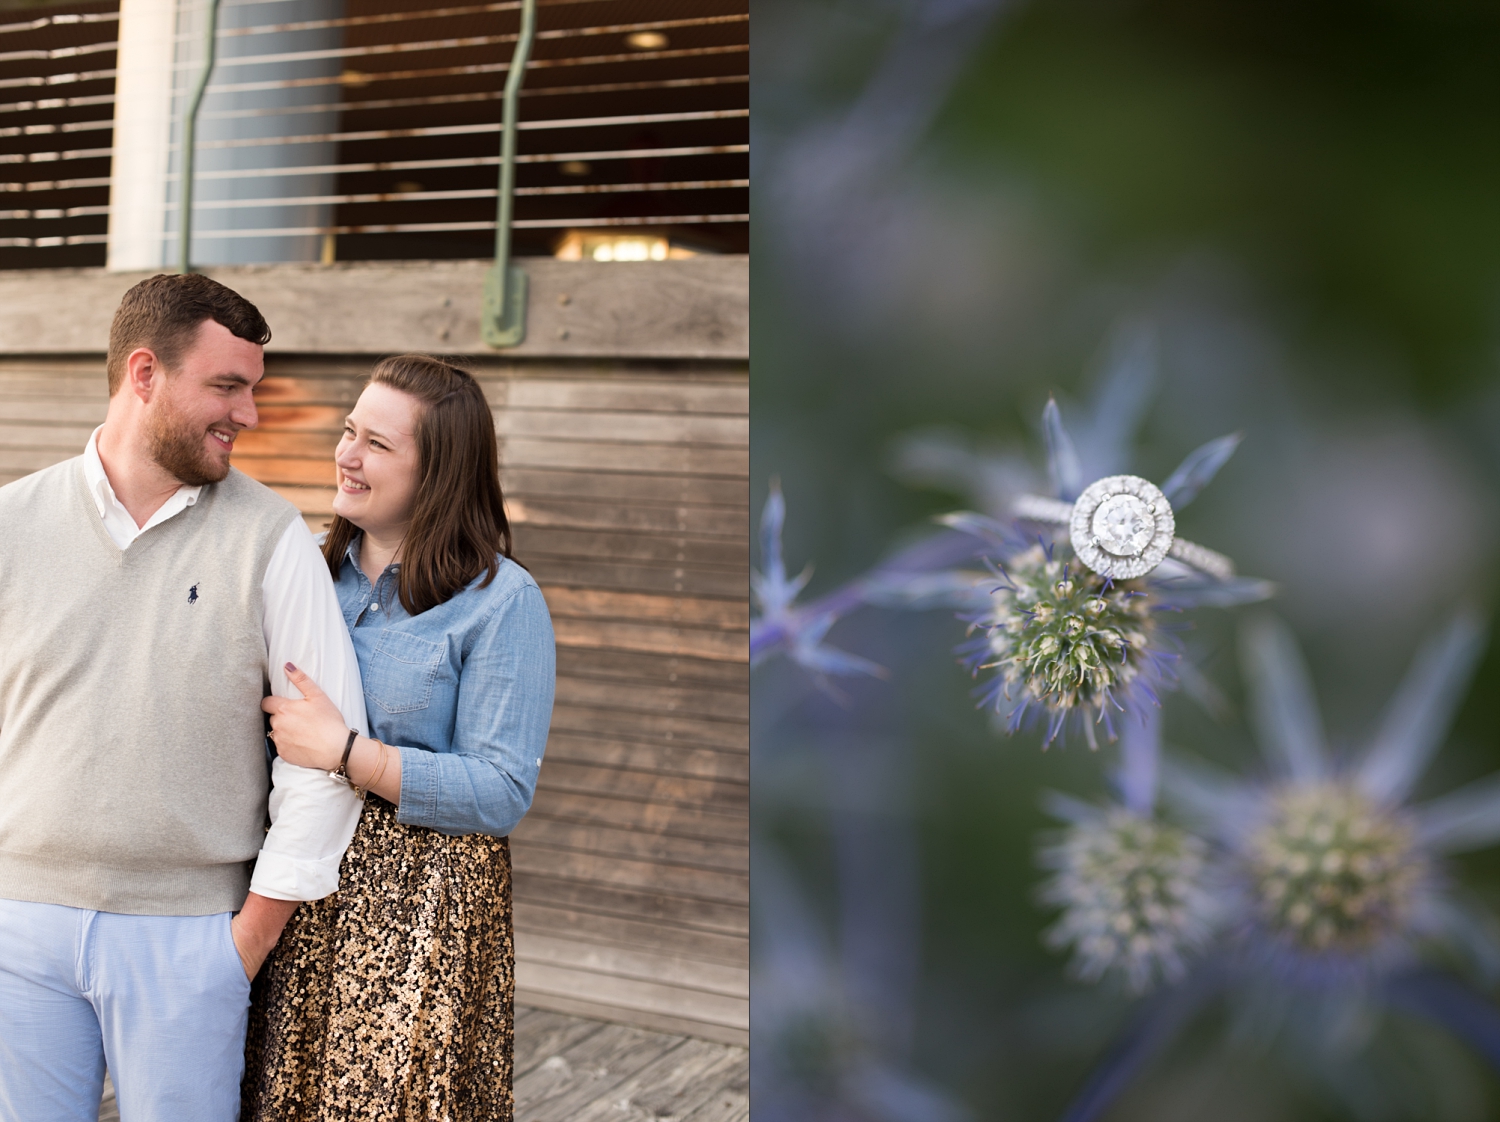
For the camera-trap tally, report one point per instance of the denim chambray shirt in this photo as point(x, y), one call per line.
point(464, 689)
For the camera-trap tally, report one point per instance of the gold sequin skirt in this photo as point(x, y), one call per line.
point(392, 999)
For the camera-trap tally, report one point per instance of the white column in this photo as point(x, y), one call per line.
point(143, 129)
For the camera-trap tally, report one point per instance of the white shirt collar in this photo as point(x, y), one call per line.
point(117, 520)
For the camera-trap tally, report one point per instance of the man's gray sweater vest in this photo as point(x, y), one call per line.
point(132, 762)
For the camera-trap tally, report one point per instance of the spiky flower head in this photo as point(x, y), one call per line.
point(1062, 637)
point(1342, 877)
point(1332, 870)
point(1134, 896)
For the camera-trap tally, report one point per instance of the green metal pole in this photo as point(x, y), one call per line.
point(504, 318)
point(190, 140)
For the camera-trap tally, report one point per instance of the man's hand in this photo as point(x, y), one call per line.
point(257, 927)
point(308, 733)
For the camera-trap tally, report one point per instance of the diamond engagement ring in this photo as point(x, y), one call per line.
point(1122, 527)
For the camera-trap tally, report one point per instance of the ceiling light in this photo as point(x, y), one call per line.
point(646, 41)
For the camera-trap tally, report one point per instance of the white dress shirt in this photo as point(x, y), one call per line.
point(312, 816)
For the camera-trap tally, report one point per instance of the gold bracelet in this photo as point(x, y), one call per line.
point(384, 759)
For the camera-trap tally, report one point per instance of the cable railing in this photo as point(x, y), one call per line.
point(341, 131)
point(669, 90)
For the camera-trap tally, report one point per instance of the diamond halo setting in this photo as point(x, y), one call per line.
point(1122, 526)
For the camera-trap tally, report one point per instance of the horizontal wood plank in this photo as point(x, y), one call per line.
point(653, 996)
point(684, 882)
point(626, 667)
point(684, 611)
point(636, 395)
point(640, 725)
point(309, 500)
point(31, 377)
point(697, 308)
point(540, 830)
point(728, 646)
point(679, 459)
point(630, 931)
point(52, 409)
point(647, 489)
point(650, 754)
point(721, 796)
point(328, 397)
point(634, 962)
point(271, 470)
point(696, 701)
point(24, 460)
point(269, 442)
point(622, 576)
point(727, 522)
point(623, 428)
point(64, 436)
point(610, 899)
point(586, 808)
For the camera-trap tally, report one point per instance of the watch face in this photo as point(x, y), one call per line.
point(1122, 526)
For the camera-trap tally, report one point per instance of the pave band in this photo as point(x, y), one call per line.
point(1200, 557)
point(1122, 527)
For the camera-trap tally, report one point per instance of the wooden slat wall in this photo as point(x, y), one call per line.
point(628, 486)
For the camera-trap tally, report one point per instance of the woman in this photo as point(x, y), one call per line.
point(392, 998)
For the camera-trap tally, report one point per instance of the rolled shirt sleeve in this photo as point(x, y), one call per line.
point(312, 815)
point(485, 783)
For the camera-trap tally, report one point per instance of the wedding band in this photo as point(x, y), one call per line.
point(1122, 527)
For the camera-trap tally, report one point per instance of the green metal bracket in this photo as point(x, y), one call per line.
point(190, 140)
point(503, 317)
point(504, 321)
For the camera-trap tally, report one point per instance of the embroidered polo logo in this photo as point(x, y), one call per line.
point(193, 595)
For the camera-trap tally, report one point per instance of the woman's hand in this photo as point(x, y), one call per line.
point(311, 732)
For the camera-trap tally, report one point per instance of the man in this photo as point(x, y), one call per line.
point(149, 594)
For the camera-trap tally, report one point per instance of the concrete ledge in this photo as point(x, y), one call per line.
point(693, 309)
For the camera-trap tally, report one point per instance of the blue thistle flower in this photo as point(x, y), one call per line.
point(1135, 892)
point(1330, 881)
point(1339, 879)
point(1069, 645)
point(800, 635)
point(798, 631)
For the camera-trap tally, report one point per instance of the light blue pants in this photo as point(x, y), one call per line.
point(163, 1000)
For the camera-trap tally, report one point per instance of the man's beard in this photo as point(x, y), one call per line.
point(178, 450)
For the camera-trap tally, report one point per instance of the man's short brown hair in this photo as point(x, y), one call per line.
point(163, 313)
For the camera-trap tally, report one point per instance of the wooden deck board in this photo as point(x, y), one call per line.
point(627, 1073)
point(572, 1069)
point(682, 1080)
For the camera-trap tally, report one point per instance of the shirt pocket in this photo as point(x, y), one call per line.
point(401, 671)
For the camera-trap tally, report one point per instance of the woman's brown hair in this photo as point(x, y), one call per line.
point(458, 524)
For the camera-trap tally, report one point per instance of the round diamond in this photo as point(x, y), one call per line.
point(1123, 525)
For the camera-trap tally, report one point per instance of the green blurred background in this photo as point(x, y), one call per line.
point(1302, 202)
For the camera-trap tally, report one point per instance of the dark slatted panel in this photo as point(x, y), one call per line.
point(57, 94)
